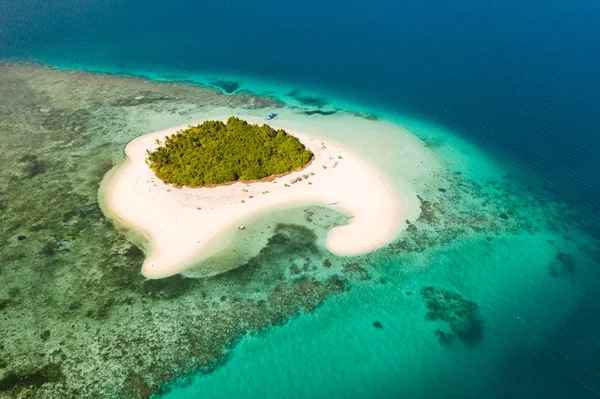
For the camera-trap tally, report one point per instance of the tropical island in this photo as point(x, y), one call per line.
point(184, 192)
point(214, 153)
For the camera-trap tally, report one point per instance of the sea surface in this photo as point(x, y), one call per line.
point(505, 93)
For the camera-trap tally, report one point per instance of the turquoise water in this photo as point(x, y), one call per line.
point(510, 269)
point(523, 295)
point(337, 352)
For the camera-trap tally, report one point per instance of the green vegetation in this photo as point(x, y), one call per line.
point(215, 153)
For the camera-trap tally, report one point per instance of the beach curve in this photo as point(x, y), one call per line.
point(182, 225)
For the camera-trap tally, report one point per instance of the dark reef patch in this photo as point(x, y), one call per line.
point(305, 99)
point(429, 211)
point(32, 165)
point(289, 242)
point(460, 314)
point(72, 120)
point(36, 378)
point(135, 255)
point(442, 221)
point(445, 338)
point(319, 112)
point(227, 86)
point(367, 116)
point(563, 263)
point(168, 288)
point(356, 271)
point(293, 239)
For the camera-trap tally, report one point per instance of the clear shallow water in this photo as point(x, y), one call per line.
point(518, 79)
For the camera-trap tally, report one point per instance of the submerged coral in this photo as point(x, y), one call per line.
point(564, 263)
point(72, 294)
point(460, 314)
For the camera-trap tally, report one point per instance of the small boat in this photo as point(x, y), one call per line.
point(351, 217)
point(242, 227)
point(272, 115)
point(332, 203)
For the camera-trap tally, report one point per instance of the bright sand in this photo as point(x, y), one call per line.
point(187, 226)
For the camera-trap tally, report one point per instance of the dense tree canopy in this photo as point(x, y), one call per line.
point(214, 153)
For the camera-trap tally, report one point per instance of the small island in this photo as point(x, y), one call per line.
point(187, 191)
point(214, 152)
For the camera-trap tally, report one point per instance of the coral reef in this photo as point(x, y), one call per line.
point(563, 264)
point(79, 320)
point(460, 314)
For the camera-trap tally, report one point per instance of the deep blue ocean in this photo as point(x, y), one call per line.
point(519, 78)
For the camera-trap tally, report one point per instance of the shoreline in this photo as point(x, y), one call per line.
point(184, 226)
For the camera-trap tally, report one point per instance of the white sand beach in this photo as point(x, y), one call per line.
point(181, 225)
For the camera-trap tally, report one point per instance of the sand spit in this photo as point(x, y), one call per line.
point(183, 226)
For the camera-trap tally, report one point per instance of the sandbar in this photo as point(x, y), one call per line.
point(181, 225)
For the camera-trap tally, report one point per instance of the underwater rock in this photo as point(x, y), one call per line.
point(168, 288)
point(411, 228)
point(21, 238)
point(563, 263)
point(377, 324)
point(442, 190)
point(355, 270)
point(568, 261)
point(319, 112)
point(327, 263)
point(460, 314)
point(429, 211)
point(444, 338)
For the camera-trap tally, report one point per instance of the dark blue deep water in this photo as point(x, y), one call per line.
point(520, 78)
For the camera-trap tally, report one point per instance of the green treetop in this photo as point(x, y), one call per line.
point(214, 153)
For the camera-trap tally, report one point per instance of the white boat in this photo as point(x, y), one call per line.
point(332, 203)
